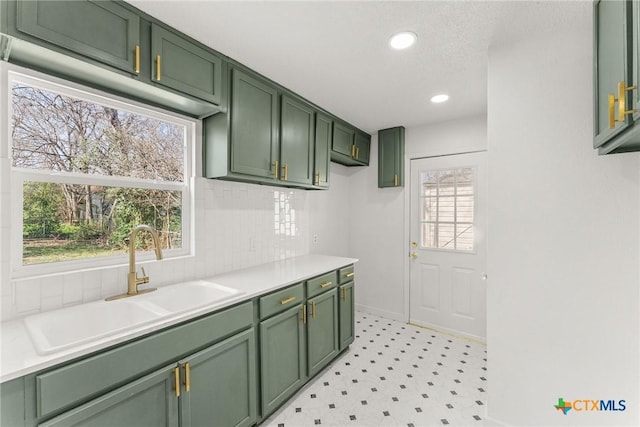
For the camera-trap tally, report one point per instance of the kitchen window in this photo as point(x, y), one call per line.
point(86, 168)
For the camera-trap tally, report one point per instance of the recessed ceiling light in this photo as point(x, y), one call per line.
point(402, 40)
point(437, 99)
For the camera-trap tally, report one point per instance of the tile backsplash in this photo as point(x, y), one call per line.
point(236, 226)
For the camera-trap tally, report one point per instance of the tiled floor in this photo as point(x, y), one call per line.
point(394, 374)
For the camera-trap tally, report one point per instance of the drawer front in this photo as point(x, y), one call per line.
point(320, 284)
point(346, 274)
point(88, 378)
point(281, 300)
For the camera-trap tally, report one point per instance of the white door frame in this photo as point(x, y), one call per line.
point(407, 214)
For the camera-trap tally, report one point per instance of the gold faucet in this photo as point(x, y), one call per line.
point(133, 279)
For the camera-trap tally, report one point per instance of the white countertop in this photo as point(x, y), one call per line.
point(19, 356)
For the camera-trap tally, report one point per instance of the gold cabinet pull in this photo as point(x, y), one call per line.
point(137, 59)
point(622, 104)
point(158, 67)
point(287, 300)
point(176, 374)
point(187, 377)
point(304, 314)
point(325, 284)
point(395, 179)
point(344, 294)
point(285, 172)
point(357, 153)
point(353, 150)
point(275, 169)
point(317, 178)
point(313, 309)
point(350, 274)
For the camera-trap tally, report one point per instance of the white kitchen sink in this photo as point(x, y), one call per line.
point(68, 327)
point(187, 296)
point(61, 329)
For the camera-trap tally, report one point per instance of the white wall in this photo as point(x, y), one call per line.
point(564, 254)
point(377, 215)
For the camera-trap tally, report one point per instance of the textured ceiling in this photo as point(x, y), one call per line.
point(335, 53)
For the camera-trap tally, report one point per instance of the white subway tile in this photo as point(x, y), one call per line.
point(27, 296)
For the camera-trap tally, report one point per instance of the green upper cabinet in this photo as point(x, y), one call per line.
point(343, 140)
point(391, 157)
point(616, 102)
point(297, 133)
point(324, 132)
point(101, 30)
point(350, 147)
point(254, 127)
point(181, 65)
point(362, 142)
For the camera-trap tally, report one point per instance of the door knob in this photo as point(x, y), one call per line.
point(414, 255)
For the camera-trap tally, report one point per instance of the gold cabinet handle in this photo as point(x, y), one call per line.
point(137, 59)
point(187, 377)
point(275, 169)
point(395, 179)
point(353, 150)
point(313, 309)
point(176, 374)
point(344, 294)
point(622, 101)
point(317, 178)
point(304, 313)
point(357, 153)
point(350, 274)
point(158, 67)
point(287, 300)
point(622, 104)
point(285, 172)
point(325, 284)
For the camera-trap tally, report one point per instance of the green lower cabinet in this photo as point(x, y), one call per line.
point(12, 403)
point(147, 402)
point(346, 304)
point(322, 330)
point(221, 382)
point(283, 357)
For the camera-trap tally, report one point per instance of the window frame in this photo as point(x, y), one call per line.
point(10, 74)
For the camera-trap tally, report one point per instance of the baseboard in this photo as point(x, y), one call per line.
point(382, 313)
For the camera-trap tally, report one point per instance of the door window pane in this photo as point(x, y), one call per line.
point(447, 209)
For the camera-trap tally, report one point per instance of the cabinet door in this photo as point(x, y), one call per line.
point(612, 53)
point(322, 330)
point(296, 141)
point(362, 145)
point(283, 357)
point(179, 64)
point(342, 139)
point(219, 384)
point(391, 157)
point(324, 128)
point(254, 127)
point(102, 30)
point(150, 401)
point(347, 323)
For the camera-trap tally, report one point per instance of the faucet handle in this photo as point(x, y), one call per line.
point(144, 273)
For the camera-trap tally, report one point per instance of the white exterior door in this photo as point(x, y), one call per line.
point(448, 243)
